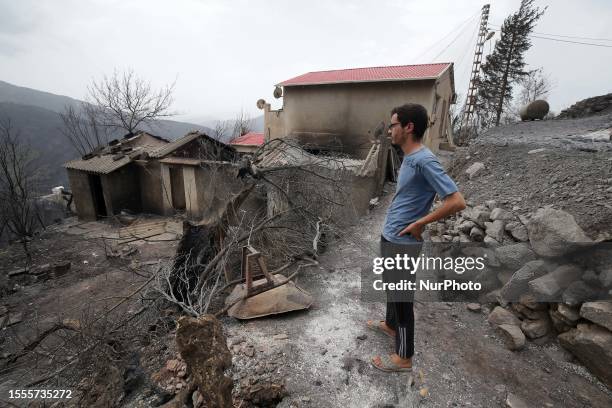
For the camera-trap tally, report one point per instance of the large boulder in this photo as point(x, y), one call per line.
point(518, 284)
point(579, 292)
point(592, 345)
point(598, 312)
point(554, 233)
point(203, 347)
point(515, 255)
point(550, 286)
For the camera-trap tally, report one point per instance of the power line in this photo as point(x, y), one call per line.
point(565, 41)
point(451, 43)
point(564, 36)
point(573, 42)
point(446, 36)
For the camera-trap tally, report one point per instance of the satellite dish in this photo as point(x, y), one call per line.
point(278, 92)
point(261, 103)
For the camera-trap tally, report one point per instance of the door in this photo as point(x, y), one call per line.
point(178, 188)
point(95, 184)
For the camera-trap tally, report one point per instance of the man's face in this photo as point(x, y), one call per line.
point(398, 134)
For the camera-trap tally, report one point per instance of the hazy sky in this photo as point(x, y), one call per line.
point(225, 55)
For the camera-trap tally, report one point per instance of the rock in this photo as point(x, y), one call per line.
point(477, 234)
point(500, 316)
point(592, 345)
point(518, 284)
point(513, 337)
point(491, 204)
point(591, 278)
point(466, 226)
point(530, 313)
point(474, 307)
point(598, 312)
point(474, 169)
point(197, 399)
point(203, 347)
point(534, 151)
point(512, 401)
point(281, 336)
point(579, 292)
point(554, 233)
point(568, 314)
point(173, 365)
point(560, 324)
point(491, 242)
point(362, 337)
point(3, 310)
point(550, 286)
point(529, 301)
point(518, 231)
point(495, 230)
point(501, 214)
point(605, 277)
point(478, 214)
point(17, 272)
point(536, 328)
point(514, 256)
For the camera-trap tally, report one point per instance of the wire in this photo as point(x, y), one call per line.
point(447, 35)
point(573, 42)
point(566, 41)
point(451, 43)
point(564, 36)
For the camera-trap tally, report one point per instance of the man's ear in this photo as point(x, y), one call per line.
point(409, 128)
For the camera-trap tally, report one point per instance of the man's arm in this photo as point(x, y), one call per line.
point(451, 204)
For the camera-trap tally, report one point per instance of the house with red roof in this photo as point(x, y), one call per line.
point(342, 109)
point(248, 143)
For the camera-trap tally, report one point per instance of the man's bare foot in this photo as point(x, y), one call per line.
point(382, 325)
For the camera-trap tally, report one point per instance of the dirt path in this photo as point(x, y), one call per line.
point(326, 360)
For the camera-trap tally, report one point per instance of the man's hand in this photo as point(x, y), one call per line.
point(415, 229)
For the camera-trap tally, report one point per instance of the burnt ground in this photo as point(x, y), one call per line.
point(565, 168)
point(325, 357)
point(84, 294)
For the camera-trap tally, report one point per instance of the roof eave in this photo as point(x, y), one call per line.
point(364, 81)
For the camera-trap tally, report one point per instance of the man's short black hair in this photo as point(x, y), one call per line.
point(415, 113)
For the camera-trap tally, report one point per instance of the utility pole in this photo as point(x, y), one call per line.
point(470, 101)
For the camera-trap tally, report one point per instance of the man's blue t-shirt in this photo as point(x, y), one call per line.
point(420, 178)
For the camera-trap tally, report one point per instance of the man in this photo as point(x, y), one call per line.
point(420, 178)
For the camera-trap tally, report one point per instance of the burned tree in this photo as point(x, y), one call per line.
point(126, 101)
point(83, 129)
point(305, 190)
point(19, 214)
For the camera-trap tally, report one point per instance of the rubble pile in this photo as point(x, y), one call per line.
point(551, 279)
point(589, 106)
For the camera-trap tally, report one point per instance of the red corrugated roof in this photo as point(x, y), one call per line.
point(250, 139)
point(371, 74)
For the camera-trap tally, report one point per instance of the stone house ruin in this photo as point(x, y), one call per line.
point(145, 173)
point(341, 109)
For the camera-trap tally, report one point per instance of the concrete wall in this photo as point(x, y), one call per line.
point(354, 110)
point(121, 190)
point(352, 193)
point(82, 195)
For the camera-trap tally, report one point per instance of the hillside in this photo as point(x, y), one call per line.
point(35, 114)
